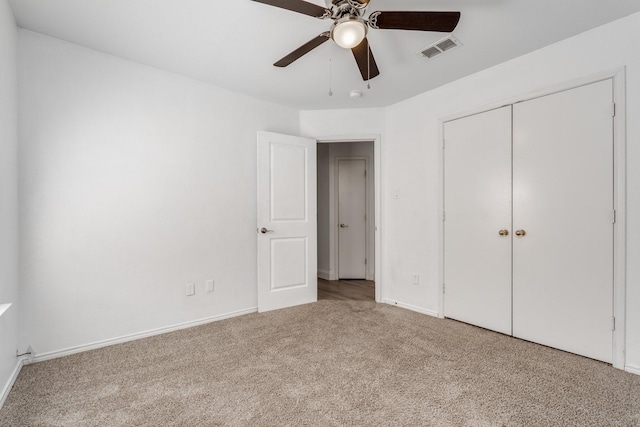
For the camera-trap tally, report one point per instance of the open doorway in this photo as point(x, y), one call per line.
point(346, 220)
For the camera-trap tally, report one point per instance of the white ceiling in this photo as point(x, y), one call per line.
point(234, 43)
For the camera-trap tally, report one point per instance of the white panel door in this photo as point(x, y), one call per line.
point(563, 200)
point(287, 230)
point(477, 227)
point(352, 225)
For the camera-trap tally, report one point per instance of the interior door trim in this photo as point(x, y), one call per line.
point(378, 215)
point(620, 195)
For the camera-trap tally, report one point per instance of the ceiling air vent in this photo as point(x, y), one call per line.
point(439, 47)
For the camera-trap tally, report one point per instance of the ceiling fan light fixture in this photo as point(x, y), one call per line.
point(349, 32)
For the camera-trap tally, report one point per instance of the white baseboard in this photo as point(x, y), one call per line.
point(12, 379)
point(324, 274)
point(105, 343)
point(632, 369)
point(411, 307)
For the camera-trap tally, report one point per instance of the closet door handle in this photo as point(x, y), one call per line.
point(520, 233)
point(503, 232)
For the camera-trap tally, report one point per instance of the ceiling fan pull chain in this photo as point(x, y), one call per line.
point(368, 65)
point(330, 79)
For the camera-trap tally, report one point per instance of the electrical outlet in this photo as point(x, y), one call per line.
point(415, 279)
point(190, 289)
point(27, 355)
point(210, 285)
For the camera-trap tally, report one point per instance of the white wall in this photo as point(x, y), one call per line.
point(411, 152)
point(413, 149)
point(326, 124)
point(8, 196)
point(133, 182)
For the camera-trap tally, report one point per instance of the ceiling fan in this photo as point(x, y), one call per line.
point(349, 29)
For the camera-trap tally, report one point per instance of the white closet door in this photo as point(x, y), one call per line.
point(477, 201)
point(563, 200)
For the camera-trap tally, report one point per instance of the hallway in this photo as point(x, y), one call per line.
point(355, 290)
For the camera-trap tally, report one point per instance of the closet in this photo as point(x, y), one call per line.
point(528, 228)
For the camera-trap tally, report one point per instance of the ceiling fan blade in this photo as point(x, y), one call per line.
point(299, 6)
point(421, 21)
point(366, 62)
point(303, 50)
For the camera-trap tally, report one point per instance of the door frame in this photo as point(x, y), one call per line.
point(333, 222)
point(377, 194)
point(618, 77)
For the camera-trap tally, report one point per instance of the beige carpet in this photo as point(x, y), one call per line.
point(328, 363)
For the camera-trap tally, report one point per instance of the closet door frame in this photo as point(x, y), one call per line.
point(620, 194)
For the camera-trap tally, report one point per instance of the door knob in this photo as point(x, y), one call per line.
point(520, 233)
point(265, 231)
point(503, 232)
point(344, 226)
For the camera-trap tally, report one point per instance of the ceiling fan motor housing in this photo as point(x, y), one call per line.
point(358, 4)
point(341, 8)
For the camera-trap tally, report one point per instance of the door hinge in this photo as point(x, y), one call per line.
point(613, 110)
point(365, 261)
point(613, 216)
point(443, 288)
point(613, 323)
point(365, 172)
